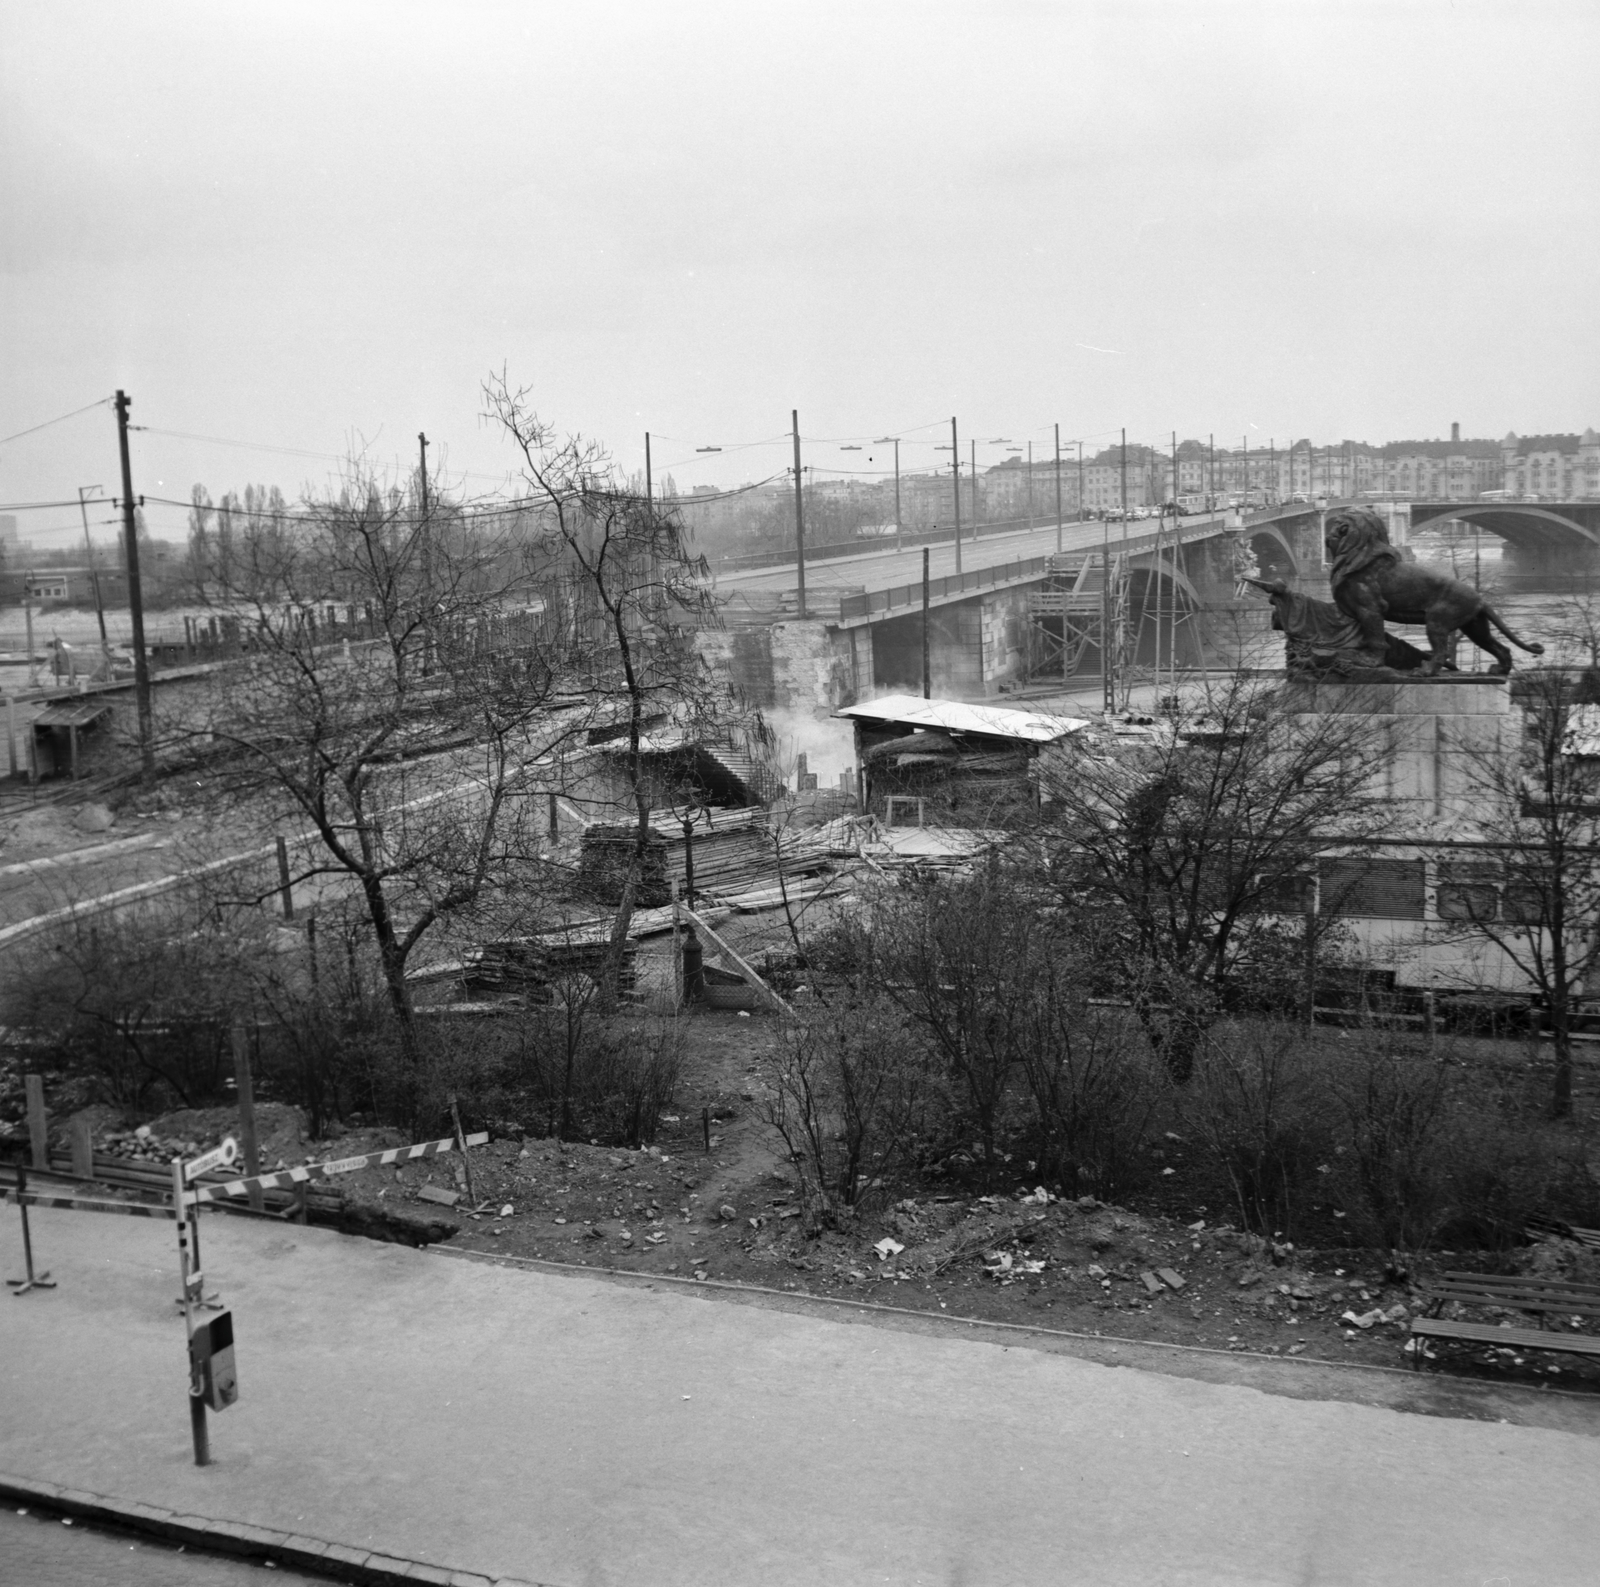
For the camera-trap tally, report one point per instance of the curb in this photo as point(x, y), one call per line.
point(959, 1319)
point(309, 1554)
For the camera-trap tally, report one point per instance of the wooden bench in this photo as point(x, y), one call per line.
point(1424, 1328)
point(1543, 1297)
point(1514, 1293)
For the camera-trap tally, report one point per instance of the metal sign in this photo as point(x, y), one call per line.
point(287, 1178)
point(218, 1157)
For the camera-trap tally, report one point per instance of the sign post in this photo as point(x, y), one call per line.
point(193, 1278)
point(222, 1156)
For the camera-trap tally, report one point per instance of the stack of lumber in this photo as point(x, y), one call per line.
point(733, 849)
point(519, 964)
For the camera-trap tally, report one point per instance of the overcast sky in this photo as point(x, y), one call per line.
point(311, 226)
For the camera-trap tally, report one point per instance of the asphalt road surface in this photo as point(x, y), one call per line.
point(41, 1551)
point(880, 569)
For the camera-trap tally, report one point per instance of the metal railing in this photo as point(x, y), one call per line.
point(951, 587)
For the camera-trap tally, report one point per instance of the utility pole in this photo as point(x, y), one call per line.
point(1123, 470)
point(1030, 484)
point(1211, 473)
point(649, 497)
point(799, 516)
point(927, 678)
point(955, 464)
point(27, 618)
point(1108, 679)
point(141, 662)
point(94, 577)
point(974, 482)
point(1058, 490)
point(427, 539)
point(1080, 481)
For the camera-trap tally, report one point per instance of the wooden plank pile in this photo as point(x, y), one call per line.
point(732, 851)
point(533, 965)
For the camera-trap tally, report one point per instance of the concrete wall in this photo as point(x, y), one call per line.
point(797, 674)
point(1431, 740)
point(955, 652)
point(1003, 627)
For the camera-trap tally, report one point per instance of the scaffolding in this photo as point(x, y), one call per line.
point(1169, 613)
point(1087, 610)
point(1083, 608)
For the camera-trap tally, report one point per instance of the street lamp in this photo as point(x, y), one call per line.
point(894, 441)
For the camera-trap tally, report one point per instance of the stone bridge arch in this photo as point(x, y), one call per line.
point(1150, 602)
point(1541, 539)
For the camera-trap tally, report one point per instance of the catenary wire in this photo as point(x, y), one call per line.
point(61, 419)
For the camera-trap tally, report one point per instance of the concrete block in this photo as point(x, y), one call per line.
point(193, 1528)
point(386, 1568)
point(308, 1548)
point(350, 1558)
point(434, 1575)
point(233, 1537)
point(260, 1538)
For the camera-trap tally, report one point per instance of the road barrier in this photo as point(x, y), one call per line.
point(287, 1178)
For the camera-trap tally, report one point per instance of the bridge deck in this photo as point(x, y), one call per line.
point(877, 583)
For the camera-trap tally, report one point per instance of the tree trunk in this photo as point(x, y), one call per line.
point(1561, 1043)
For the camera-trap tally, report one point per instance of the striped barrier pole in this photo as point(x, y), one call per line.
point(288, 1178)
point(134, 1209)
point(21, 1286)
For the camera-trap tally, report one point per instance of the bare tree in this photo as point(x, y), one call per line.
point(637, 590)
point(391, 702)
point(1191, 844)
point(1534, 891)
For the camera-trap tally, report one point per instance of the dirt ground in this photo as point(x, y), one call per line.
point(729, 1214)
point(1163, 1272)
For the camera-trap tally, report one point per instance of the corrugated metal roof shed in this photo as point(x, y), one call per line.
point(954, 716)
point(72, 713)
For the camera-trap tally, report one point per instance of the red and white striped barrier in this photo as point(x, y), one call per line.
point(287, 1178)
point(133, 1209)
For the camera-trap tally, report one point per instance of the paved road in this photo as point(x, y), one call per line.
point(881, 569)
point(563, 1430)
point(36, 1551)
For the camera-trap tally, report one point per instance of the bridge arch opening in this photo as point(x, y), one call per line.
point(1164, 619)
point(1541, 544)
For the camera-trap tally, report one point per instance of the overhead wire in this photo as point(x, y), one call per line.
point(60, 419)
point(255, 446)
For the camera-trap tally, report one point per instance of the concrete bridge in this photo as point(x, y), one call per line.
point(1017, 611)
point(1545, 540)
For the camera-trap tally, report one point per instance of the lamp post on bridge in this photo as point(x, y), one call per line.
point(894, 440)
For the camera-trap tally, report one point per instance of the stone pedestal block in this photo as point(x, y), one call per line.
point(1432, 738)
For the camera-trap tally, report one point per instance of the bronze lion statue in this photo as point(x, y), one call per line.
point(1370, 582)
point(1322, 639)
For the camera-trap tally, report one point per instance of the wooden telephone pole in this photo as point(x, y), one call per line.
point(799, 516)
point(130, 535)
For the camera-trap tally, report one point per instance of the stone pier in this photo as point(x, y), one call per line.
point(1434, 738)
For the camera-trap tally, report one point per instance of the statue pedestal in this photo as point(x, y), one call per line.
point(1434, 738)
